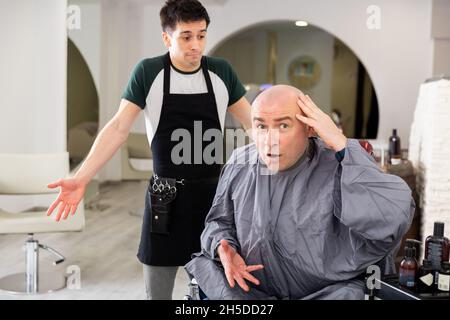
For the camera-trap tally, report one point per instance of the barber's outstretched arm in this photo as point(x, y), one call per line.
point(375, 205)
point(108, 141)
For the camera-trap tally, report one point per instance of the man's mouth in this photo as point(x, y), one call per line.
point(273, 155)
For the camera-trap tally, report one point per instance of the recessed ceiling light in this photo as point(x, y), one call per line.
point(301, 23)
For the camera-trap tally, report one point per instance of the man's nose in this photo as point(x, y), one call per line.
point(272, 137)
point(195, 45)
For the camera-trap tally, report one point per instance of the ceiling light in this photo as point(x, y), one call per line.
point(301, 23)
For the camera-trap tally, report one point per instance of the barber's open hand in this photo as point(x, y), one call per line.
point(70, 195)
point(321, 123)
point(235, 267)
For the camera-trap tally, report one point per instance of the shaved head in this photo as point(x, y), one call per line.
point(277, 96)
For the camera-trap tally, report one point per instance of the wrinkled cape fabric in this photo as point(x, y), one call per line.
point(315, 227)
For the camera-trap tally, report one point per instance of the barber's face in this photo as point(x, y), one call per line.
point(280, 138)
point(186, 43)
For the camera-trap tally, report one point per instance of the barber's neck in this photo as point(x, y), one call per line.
point(184, 67)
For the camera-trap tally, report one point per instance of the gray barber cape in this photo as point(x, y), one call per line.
point(315, 227)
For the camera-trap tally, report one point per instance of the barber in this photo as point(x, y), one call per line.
point(181, 90)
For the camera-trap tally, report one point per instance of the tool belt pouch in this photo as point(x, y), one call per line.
point(161, 193)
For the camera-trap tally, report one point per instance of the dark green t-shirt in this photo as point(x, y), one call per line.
point(146, 84)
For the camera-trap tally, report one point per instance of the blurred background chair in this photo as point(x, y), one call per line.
point(80, 139)
point(137, 159)
point(29, 174)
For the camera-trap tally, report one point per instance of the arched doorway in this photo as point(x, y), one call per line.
point(82, 106)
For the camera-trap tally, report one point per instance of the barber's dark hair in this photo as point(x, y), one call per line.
point(175, 11)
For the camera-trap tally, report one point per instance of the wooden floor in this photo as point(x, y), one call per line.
point(105, 251)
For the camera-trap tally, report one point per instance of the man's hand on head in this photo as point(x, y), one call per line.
point(236, 270)
point(321, 123)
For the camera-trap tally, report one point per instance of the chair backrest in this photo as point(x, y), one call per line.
point(137, 144)
point(29, 173)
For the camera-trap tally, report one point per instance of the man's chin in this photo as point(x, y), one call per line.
point(193, 60)
point(274, 165)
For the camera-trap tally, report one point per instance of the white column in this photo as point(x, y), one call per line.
point(33, 71)
point(112, 53)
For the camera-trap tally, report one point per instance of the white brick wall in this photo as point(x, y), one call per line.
point(429, 151)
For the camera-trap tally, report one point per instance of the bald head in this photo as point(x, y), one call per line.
point(279, 96)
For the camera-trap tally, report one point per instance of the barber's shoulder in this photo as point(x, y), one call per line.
point(152, 64)
point(219, 66)
point(217, 62)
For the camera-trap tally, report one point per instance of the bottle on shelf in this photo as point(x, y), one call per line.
point(425, 279)
point(395, 150)
point(437, 249)
point(409, 267)
point(444, 277)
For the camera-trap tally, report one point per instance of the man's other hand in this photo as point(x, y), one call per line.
point(236, 270)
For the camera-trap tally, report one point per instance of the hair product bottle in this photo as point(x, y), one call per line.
point(395, 151)
point(437, 249)
point(425, 279)
point(408, 266)
point(444, 277)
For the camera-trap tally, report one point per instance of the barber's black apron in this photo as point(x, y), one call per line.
point(194, 198)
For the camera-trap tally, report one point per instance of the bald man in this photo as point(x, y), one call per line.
point(299, 217)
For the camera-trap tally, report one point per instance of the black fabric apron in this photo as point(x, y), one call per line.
point(194, 198)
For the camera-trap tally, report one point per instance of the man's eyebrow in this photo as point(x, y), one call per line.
point(283, 118)
point(276, 120)
point(190, 32)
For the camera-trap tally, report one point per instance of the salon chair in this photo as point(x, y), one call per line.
point(28, 175)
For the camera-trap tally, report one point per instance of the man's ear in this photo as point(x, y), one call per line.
point(310, 131)
point(167, 40)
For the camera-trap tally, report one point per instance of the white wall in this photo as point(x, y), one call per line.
point(32, 83)
point(440, 31)
point(120, 32)
point(33, 76)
